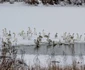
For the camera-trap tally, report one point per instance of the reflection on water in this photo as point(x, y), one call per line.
point(72, 49)
point(64, 54)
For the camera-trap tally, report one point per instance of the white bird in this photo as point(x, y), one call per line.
point(68, 35)
point(77, 37)
point(39, 39)
point(84, 36)
point(35, 33)
point(14, 39)
point(49, 41)
point(37, 42)
point(80, 38)
point(73, 35)
point(14, 35)
point(29, 30)
point(43, 32)
point(4, 32)
point(47, 36)
point(40, 35)
point(27, 33)
point(64, 36)
point(29, 36)
point(9, 35)
point(56, 35)
point(21, 33)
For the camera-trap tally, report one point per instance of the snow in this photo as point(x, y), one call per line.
point(20, 16)
point(51, 19)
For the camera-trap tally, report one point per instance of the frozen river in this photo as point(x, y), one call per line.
point(67, 49)
point(19, 16)
point(63, 53)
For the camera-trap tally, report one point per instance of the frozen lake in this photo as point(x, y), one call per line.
point(63, 53)
point(19, 16)
point(69, 49)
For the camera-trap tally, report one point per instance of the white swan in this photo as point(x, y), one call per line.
point(84, 36)
point(21, 33)
point(77, 36)
point(29, 30)
point(9, 36)
point(4, 32)
point(29, 36)
point(43, 32)
point(56, 35)
point(40, 35)
point(64, 36)
point(49, 41)
point(14, 39)
point(39, 39)
point(35, 33)
point(27, 33)
point(47, 36)
point(80, 38)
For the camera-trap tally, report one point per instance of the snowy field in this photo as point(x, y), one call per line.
point(20, 16)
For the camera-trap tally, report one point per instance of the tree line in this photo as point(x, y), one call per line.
point(48, 2)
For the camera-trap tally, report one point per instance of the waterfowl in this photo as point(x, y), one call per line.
point(77, 36)
point(27, 33)
point(14, 34)
point(21, 33)
point(29, 30)
point(47, 36)
point(35, 33)
point(80, 37)
point(37, 43)
point(40, 35)
point(9, 33)
point(49, 41)
point(15, 39)
point(84, 36)
point(56, 35)
point(54, 44)
point(43, 32)
point(39, 39)
point(64, 36)
point(5, 32)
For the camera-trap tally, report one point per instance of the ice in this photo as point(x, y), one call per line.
point(20, 16)
point(51, 19)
